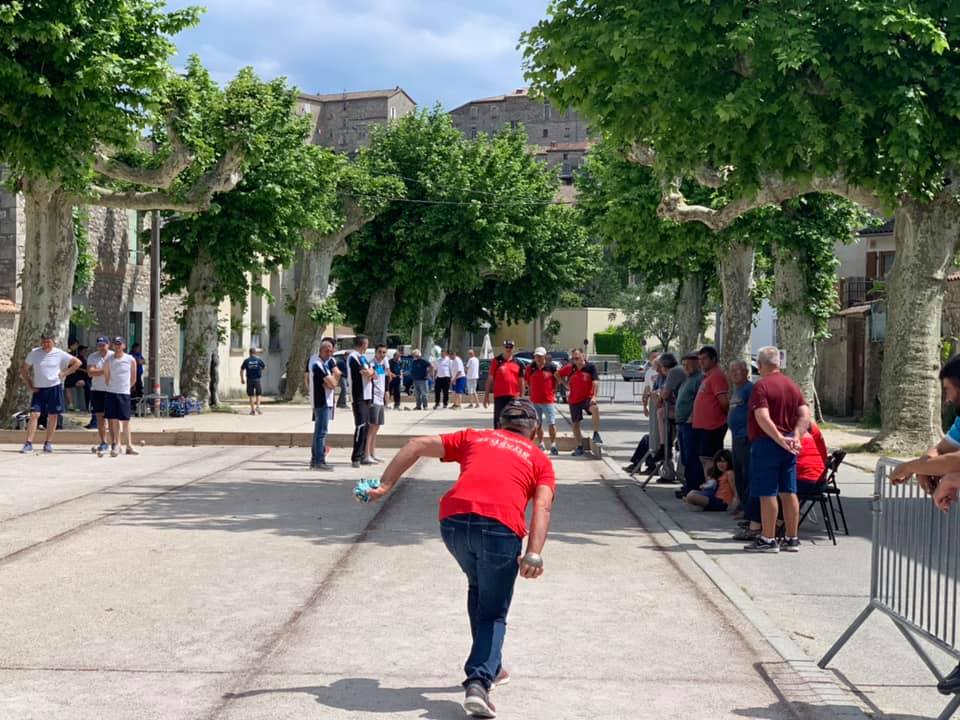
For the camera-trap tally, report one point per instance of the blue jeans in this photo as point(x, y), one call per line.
point(690, 457)
point(321, 420)
point(420, 387)
point(487, 552)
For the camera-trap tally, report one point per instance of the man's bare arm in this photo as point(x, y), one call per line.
point(539, 526)
point(770, 429)
point(426, 446)
point(25, 376)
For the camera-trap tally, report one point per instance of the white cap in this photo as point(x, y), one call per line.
point(540, 351)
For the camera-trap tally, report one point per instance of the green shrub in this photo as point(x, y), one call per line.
point(617, 341)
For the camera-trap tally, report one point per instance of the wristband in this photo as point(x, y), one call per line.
point(532, 559)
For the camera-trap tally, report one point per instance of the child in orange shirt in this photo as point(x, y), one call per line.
point(718, 492)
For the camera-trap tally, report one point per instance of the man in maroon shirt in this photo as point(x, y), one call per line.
point(504, 379)
point(777, 418)
point(483, 522)
point(583, 382)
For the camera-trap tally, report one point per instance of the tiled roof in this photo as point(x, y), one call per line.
point(885, 229)
point(521, 92)
point(358, 95)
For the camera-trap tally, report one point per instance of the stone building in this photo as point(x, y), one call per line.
point(561, 138)
point(341, 121)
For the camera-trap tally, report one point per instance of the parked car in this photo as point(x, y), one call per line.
point(634, 370)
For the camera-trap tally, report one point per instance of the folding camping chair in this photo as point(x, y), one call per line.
point(827, 490)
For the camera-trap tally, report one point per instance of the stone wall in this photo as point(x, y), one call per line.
point(543, 122)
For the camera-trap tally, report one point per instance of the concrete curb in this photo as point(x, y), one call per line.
point(821, 682)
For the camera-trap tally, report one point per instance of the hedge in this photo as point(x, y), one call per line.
point(618, 342)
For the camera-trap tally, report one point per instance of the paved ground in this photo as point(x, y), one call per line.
point(209, 583)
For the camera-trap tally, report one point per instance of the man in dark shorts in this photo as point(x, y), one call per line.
point(44, 370)
point(253, 367)
point(777, 419)
point(482, 518)
point(710, 409)
point(583, 381)
point(361, 390)
point(98, 390)
point(120, 372)
point(504, 379)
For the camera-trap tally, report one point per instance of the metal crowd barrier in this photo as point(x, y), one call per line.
point(915, 571)
point(608, 388)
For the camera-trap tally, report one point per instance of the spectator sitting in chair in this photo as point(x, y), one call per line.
point(717, 493)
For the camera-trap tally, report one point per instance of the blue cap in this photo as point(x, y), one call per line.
point(103, 340)
point(118, 340)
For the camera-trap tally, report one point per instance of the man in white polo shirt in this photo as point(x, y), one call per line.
point(43, 371)
point(441, 386)
point(120, 372)
point(98, 388)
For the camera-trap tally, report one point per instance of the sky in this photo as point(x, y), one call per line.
point(446, 51)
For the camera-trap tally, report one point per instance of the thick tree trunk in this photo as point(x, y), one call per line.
point(200, 331)
point(796, 326)
point(46, 283)
point(690, 313)
point(736, 282)
point(431, 311)
point(926, 243)
point(379, 312)
point(313, 289)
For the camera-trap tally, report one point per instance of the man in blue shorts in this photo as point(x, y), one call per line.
point(43, 371)
point(777, 419)
point(253, 367)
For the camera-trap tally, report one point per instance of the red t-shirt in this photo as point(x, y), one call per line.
point(781, 396)
point(499, 472)
point(813, 455)
point(542, 383)
point(581, 382)
point(506, 377)
point(707, 413)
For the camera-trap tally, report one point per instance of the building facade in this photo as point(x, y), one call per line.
point(342, 121)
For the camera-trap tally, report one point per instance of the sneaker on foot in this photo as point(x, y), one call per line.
point(597, 440)
point(253, 412)
point(367, 461)
point(790, 545)
point(355, 463)
point(376, 460)
point(90, 426)
point(760, 545)
point(554, 451)
point(503, 677)
point(113, 451)
point(131, 451)
point(477, 703)
point(47, 448)
point(542, 447)
point(27, 448)
point(259, 411)
point(578, 452)
point(322, 467)
point(102, 447)
point(746, 534)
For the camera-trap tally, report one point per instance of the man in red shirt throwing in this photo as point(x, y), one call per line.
point(777, 418)
point(483, 522)
point(504, 379)
point(583, 381)
point(542, 383)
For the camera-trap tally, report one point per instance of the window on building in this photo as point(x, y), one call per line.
point(134, 329)
point(473, 132)
point(307, 108)
point(546, 111)
point(135, 251)
point(513, 124)
point(474, 111)
point(566, 132)
point(546, 132)
point(393, 113)
point(566, 156)
point(886, 263)
point(236, 327)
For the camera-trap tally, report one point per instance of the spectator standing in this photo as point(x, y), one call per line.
point(44, 371)
point(483, 523)
point(120, 373)
point(361, 390)
point(253, 367)
point(441, 380)
point(322, 379)
point(583, 381)
point(690, 470)
point(396, 379)
point(675, 377)
point(649, 377)
point(737, 421)
point(778, 417)
point(378, 404)
point(473, 377)
point(98, 390)
point(459, 374)
point(137, 355)
point(541, 380)
point(419, 371)
point(504, 380)
point(710, 408)
point(344, 381)
point(74, 384)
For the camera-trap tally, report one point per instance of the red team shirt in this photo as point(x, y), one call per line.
point(707, 412)
point(499, 472)
point(581, 382)
point(543, 384)
point(506, 377)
